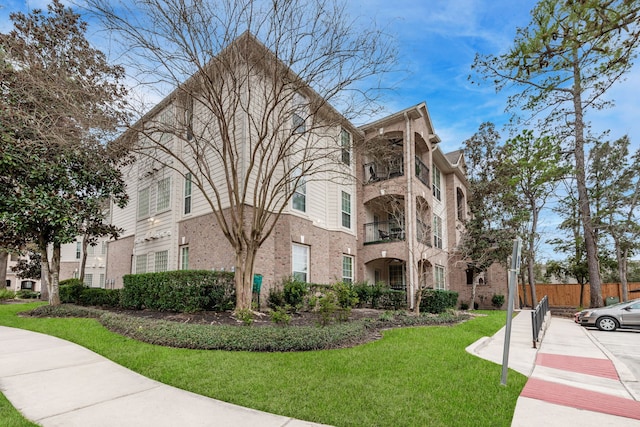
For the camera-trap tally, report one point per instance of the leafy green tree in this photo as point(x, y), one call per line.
point(533, 166)
point(615, 184)
point(495, 215)
point(561, 65)
point(60, 100)
point(29, 268)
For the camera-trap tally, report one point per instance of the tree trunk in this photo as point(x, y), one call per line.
point(591, 245)
point(622, 271)
point(44, 273)
point(581, 295)
point(54, 276)
point(4, 260)
point(472, 305)
point(83, 263)
point(243, 277)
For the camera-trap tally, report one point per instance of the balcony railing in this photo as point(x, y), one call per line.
point(385, 231)
point(382, 171)
point(422, 172)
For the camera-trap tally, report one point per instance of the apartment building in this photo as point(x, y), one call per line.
point(392, 208)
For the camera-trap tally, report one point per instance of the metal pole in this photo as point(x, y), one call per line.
point(513, 275)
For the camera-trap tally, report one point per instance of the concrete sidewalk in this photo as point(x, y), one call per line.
point(573, 380)
point(57, 383)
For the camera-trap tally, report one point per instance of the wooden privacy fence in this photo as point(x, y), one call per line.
point(568, 295)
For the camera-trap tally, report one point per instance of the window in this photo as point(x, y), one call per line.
point(101, 281)
point(143, 203)
point(299, 199)
point(161, 261)
point(88, 279)
point(436, 183)
point(91, 250)
point(460, 204)
point(346, 210)
point(300, 262)
point(141, 264)
point(437, 231)
point(187, 193)
point(345, 144)
point(184, 258)
point(423, 234)
point(163, 194)
point(439, 277)
point(298, 124)
point(103, 247)
point(78, 250)
point(347, 268)
point(396, 276)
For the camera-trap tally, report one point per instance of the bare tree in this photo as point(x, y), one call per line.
point(253, 83)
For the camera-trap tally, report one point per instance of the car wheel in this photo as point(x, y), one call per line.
point(607, 324)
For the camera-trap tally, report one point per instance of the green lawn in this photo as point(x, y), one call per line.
point(412, 377)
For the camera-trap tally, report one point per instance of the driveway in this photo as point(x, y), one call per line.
point(625, 346)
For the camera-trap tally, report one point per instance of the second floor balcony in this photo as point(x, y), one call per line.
point(383, 231)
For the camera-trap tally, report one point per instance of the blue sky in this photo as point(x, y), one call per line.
point(438, 40)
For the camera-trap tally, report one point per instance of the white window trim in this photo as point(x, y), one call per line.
point(307, 260)
point(188, 194)
point(437, 183)
point(346, 149)
point(343, 212)
point(438, 241)
point(144, 193)
point(300, 190)
point(349, 279)
point(436, 275)
point(184, 255)
point(166, 192)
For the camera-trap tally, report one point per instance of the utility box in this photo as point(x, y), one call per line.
point(257, 283)
point(611, 300)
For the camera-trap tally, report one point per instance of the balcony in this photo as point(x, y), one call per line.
point(383, 170)
point(422, 172)
point(382, 232)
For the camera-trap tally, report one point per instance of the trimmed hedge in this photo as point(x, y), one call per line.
point(185, 291)
point(70, 290)
point(437, 301)
point(100, 297)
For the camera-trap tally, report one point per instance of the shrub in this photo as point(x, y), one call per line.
point(275, 299)
point(182, 291)
point(245, 315)
point(70, 291)
point(437, 300)
point(378, 289)
point(345, 294)
point(27, 294)
point(6, 294)
point(100, 297)
point(280, 316)
point(327, 307)
point(295, 292)
point(391, 299)
point(363, 291)
point(464, 306)
point(497, 301)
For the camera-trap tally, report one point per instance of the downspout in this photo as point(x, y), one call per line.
point(409, 219)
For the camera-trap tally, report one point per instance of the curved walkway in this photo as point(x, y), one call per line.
point(54, 383)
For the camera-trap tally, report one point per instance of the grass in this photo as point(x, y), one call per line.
point(413, 376)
